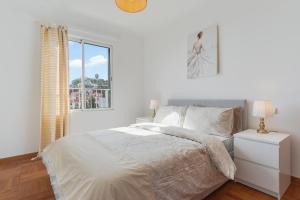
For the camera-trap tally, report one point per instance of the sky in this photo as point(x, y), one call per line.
point(96, 61)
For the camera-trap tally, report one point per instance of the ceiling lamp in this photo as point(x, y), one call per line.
point(131, 6)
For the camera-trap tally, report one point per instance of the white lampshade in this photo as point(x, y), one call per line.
point(153, 104)
point(262, 109)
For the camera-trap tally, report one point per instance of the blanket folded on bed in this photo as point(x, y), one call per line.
point(143, 161)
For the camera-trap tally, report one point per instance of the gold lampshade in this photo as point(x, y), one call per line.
point(131, 6)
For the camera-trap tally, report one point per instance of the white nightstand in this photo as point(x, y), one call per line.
point(143, 120)
point(263, 161)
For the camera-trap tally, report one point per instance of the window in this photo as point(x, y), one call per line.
point(89, 75)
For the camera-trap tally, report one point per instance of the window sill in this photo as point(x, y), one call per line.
point(90, 110)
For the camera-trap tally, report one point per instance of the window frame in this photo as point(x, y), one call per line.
point(83, 41)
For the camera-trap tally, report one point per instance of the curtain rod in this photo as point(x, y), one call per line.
point(77, 32)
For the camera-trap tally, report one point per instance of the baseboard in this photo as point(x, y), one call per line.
point(27, 156)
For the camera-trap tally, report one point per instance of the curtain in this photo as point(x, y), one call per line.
point(54, 84)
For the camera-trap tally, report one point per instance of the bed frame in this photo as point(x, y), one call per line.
point(242, 103)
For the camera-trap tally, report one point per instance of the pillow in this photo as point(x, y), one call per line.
point(170, 115)
point(237, 120)
point(210, 120)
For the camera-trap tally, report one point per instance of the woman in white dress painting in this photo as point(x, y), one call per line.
point(197, 59)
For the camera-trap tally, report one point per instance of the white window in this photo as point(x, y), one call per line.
point(89, 75)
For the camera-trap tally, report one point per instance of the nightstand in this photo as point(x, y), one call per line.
point(263, 161)
point(143, 120)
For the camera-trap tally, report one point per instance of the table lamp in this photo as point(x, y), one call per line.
point(153, 106)
point(262, 109)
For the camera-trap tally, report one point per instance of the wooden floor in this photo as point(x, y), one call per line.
point(28, 180)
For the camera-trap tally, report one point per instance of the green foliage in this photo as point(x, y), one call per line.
point(91, 83)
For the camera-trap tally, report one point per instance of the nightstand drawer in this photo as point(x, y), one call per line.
point(258, 175)
point(258, 152)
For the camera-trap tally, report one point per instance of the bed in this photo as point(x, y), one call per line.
point(151, 161)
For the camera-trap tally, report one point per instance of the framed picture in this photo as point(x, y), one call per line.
point(202, 57)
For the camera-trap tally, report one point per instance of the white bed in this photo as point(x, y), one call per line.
point(143, 161)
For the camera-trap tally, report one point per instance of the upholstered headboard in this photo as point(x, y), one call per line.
point(215, 103)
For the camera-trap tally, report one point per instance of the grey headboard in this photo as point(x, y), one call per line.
point(215, 103)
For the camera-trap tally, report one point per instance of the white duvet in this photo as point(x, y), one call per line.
point(143, 161)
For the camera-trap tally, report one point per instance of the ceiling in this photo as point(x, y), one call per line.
point(158, 13)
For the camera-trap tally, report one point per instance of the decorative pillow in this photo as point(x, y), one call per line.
point(170, 115)
point(237, 121)
point(210, 120)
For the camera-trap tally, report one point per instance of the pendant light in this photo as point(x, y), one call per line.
point(131, 6)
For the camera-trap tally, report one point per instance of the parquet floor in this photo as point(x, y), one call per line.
point(28, 180)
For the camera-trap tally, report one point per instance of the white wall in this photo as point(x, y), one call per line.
point(20, 77)
point(259, 59)
point(19, 80)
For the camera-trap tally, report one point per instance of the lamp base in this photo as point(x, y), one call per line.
point(264, 131)
point(154, 113)
point(261, 129)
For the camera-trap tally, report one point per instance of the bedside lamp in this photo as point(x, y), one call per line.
point(262, 109)
point(153, 106)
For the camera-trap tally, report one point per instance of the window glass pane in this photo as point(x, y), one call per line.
point(75, 73)
point(96, 81)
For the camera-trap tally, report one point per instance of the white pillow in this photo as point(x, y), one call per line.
point(170, 115)
point(210, 120)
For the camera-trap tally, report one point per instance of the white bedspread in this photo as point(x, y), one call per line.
point(144, 161)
